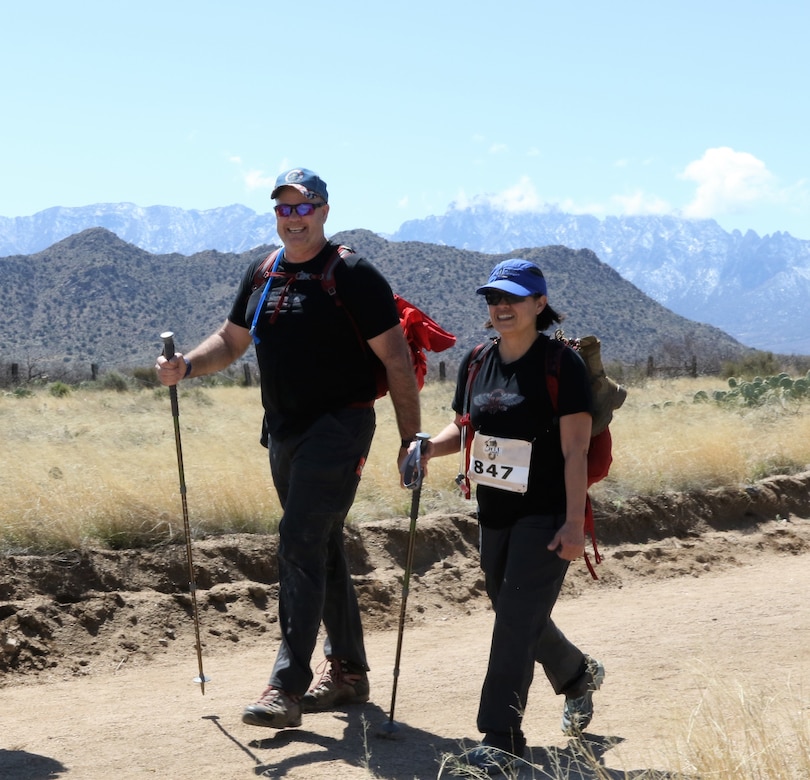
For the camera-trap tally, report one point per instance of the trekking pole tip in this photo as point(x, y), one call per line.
point(201, 681)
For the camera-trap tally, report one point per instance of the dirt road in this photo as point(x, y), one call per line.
point(668, 642)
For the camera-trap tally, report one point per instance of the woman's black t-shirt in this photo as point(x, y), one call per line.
point(511, 400)
point(311, 358)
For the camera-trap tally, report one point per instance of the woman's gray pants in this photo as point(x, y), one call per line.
point(523, 581)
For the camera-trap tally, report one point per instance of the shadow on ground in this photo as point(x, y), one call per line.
point(28, 766)
point(413, 753)
point(364, 744)
point(582, 759)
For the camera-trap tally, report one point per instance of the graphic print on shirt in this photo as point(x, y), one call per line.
point(497, 401)
point(283, 301)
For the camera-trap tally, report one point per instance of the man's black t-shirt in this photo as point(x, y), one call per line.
point(311, 358)
point(511, 400)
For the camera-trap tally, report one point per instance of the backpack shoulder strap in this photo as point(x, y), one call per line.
point(264, 270)
point(477, 356)
point(554, 351)
point(327, 277)
point(328, 273)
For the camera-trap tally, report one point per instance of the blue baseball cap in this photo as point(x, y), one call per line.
point(516, 276)
point(306, 182)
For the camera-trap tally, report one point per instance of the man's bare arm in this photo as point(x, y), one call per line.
point(218, 351)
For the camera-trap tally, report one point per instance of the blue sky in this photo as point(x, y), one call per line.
point(697, 108)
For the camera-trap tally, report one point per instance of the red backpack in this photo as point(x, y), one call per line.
point(421, 331)
point(607, 396)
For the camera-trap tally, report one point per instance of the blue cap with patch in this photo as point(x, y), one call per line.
point(516, 276)
point(306, 182)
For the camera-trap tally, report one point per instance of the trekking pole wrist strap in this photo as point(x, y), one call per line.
point(188, 367)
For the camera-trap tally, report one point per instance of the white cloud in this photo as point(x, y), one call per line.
point(497, 148)
point(728, 182)
point(521, 197)
point(258, 180)
point(640, 203)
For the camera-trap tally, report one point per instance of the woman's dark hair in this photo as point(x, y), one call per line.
point(548, 317)
point(545, 319)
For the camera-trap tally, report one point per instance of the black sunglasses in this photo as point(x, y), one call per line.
point(302, 209)
point(494, 297)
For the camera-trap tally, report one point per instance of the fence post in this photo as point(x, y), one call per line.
point(94, 371)
point(693, 369)
point(15, 373)
point(650, 366)
point(442, 371)
point(248, 378)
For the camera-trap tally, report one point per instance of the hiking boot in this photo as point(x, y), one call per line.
point(275, 709)
point(338, 685)
point(492, 760)
point(577, 713)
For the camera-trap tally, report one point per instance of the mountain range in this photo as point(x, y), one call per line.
point(753, 288)
point(93, 298)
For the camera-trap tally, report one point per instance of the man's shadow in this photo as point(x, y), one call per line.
point(22, 765)
point(411, 752)
point(366, 743)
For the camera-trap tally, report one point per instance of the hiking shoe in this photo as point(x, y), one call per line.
point(338, 685)
point(577, 713)
point(275, 709)
point(491, 760)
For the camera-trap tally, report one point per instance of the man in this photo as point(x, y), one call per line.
point(317, 362)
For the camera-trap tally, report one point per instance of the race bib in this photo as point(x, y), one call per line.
point(500, 463)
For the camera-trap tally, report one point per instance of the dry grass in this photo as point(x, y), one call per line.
point(735, 734)
point(101, 465)
point(664, 441)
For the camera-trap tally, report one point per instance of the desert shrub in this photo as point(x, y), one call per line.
point(145, 377)
point(21, 392)
point(112, 380)
point(749, 366)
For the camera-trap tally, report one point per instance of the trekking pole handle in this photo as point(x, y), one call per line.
point(168, 353)
point(168, 344)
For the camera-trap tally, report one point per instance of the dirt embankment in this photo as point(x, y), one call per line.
point(80, 611)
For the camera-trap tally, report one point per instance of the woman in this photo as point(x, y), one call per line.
point(530, 467)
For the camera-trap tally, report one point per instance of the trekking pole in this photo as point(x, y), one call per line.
point(412, 477)
point(168, 353)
